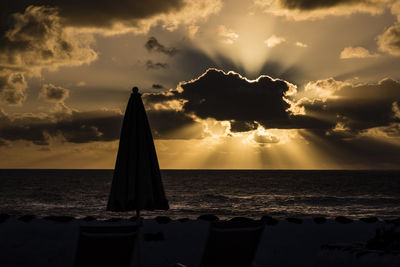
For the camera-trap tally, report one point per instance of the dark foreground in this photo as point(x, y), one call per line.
point(65, 241)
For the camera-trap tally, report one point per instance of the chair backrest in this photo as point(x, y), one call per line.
point(232, 243)
point(105, 246)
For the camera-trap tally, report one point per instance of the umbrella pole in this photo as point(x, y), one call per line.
point(139, 241)
point(138, 214)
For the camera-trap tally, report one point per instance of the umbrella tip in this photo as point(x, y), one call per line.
point(135, 90)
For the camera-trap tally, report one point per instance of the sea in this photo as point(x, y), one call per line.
point(224, 193)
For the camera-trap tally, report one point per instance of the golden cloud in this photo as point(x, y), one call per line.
point(12, 87)
point(356, 52)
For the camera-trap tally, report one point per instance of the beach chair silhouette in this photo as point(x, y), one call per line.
point(232, 243)
point(106, 246)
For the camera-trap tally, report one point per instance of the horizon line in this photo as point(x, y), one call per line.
point(211, 169)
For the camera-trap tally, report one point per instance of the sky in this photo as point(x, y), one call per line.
point(251, 84)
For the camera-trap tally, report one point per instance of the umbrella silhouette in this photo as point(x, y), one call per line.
point(137, 183)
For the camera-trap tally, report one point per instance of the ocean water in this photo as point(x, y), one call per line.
point(225, 193)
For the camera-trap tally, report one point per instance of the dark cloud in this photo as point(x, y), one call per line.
point(243, 126)
point(109, 17)
point(317, 4)
point(157, 86)
point(228, 96)
point(314, 9)
point(78, 127)
point(53, 93)
point(358, 107)
point(37, 39)
point(90, 126)
point(231, 97)
point(103, 13)
point(152, 44)
point(362, 123)
point(150, 65)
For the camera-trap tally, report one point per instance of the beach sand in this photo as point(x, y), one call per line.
point(44, 242)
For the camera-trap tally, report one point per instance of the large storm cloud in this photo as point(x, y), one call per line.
point(229, 96)
point(329, 107)
point(244, 103)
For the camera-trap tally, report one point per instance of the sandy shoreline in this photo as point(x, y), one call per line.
point(30, 241)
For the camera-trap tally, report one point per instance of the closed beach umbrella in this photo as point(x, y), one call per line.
point(136, 181)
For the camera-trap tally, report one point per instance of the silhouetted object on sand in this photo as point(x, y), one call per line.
point(105, 246)
point(268, 220)
point(320, 220)
point(89, 219)
point(343, 220)
point(294, 220)
point(60, 219)
point(385, 240)
point(208, 217)
point(159, 236)
point(162, 219)
point(232, 243)
point(4, 217)
point(370, 219)
point(27, 218)
point(114, 220)
point(183, 220)
point(137, 181)
point(394, 221)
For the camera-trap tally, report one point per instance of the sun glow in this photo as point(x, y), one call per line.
point(241, 40)
point(258, 149)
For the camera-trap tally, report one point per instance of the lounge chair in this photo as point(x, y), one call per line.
point(106, 246)
point(232, 243)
